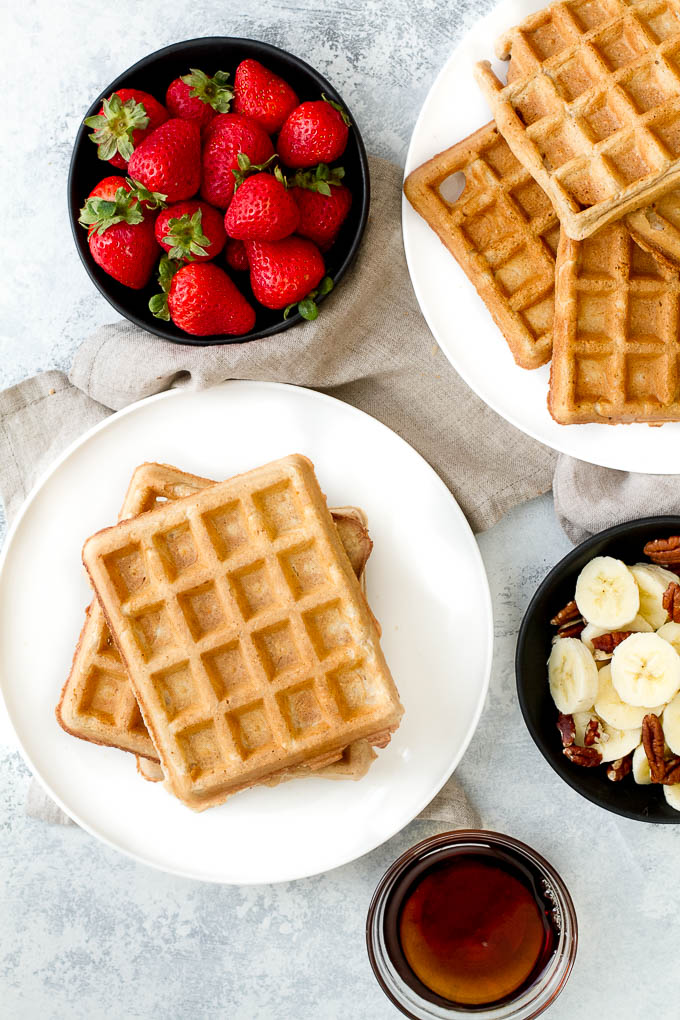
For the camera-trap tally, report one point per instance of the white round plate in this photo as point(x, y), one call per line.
point(457, 316)
point(426, 584)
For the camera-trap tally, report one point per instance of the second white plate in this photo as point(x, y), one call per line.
point(455, 313)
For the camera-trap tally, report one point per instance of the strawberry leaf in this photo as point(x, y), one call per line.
point(98, 214)
point(158, 304)
point(152, 199)
point(321, 178)
point(113, 127)
point(215, 91)
point(186, 237)
point(245, 167)
point(307, 309)
point(336, 106)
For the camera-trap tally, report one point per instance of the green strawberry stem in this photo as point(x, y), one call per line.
point(336, 106)
point(214, 91)
point(114, 126)
point(246, 168)
point(98, 214)
point(152, 199)
point(307, 307)
point(185, 234)
point(321, 178)
point(158, 304)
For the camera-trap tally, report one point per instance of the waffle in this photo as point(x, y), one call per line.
point(503, 233)
point(657, 228)
point(615, 352)
point(592, 105)
point(244, 631)
point(97, 702)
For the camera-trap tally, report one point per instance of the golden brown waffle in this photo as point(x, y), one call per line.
point(592, 105)
point(503, 233)
point(656, 228)
point(615, 352)
point(244, 631)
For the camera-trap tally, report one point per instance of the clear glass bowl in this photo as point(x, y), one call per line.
point(531, 1001)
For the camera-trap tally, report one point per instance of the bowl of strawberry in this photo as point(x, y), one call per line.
point(218, 191)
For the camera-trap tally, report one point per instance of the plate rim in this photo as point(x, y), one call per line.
point(323, 398)
point(409, 217)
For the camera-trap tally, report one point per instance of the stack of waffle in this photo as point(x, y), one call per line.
point(569, 221)
point(230, 643)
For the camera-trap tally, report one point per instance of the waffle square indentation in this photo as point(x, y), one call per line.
point(203, 610)
point(127, 570)
point(515, 272)
point(101, 694)
point(593, 312)
point(176, 689)
point(105, 645)
point(489, 228)
point(278, 509)
point(276, 649)
point(591, 13)
point(547, 39)
point(604, 116)
point(536, 101)
point(647, 314)
point(621, 45)
point(250, 729)
point(177, 550)
point(663, 23)
point(592, 375)
point(647, 378)
point(199, 748)
point(227, 670)
point(667, 130)
point(539, 317)
point(629, 162)
point(252, 589)
point(354, 691)
point(327, 628)
point(301, 710)
point(531, 199)
point(650, 87)
point(303, 569)
point(576, 75)
point(152, 630)
point(227, 529)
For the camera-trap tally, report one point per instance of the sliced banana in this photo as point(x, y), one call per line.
point(581, 721)
point(572, 674)
point(672, 795)
point(645, 670)
point(590, 631)
point(641, 773)
point(614, 743)
point(671, 724)
point(606, 593)
point(652, 580)
point(671, 632)
point(613, 710)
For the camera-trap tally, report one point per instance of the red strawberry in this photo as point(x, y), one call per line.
point(191, 231)
point(262, 210)
point(262, 95)
point(169, 159)
point(124, 120)
point(120, 233)
point(227, 135)
point(283, 273)
point(202, 300)
point(236, 255)
point(323, 203)
point(315, 132)
point(197, 97)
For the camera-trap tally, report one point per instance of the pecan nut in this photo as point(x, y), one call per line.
point(565, 724)
point(664, 550)
point(671, 601)
point(585, 756)
point(592, 733)
point(654, 745)
point(569, 614)
point(608, 642)
point(617, 770)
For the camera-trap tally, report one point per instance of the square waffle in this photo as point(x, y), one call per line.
point(503, 233)
point(615, 351)
point(592, 105)
point(246, 636)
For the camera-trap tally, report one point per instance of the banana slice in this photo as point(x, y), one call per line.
point(572, 675)
point(581, 721)
point(671, 724)
point(606, 593)
point(615, 743)
point(671, 632)
point(652, 580)
point(672, 795)
point(615, 712)
point(641, 773)
point(638, 625)
point(645, 670)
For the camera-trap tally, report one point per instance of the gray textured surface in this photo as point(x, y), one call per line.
point(85, 932)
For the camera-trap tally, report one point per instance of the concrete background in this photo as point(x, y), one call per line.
point(85, 932)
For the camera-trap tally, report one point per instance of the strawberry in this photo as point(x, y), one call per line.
point(202, 300)
point(191, 231)
point(168, 160)
point(323, 203)
point(195, 96)
point(124, 120)
point(226, 136)
point(236, 256)
point(287, 273)
point(315, 132)
point(262, 95)
point(120, 232)
point(262, 209)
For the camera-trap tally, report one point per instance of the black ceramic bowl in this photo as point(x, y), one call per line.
point(153, 74)
point(627, 798)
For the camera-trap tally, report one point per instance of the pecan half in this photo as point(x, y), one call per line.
point(653, 743)
point(592, 733)
point(671, 774)
point(585, 756)
point(565, 724)
point(608, 642)
point(572, 629)
point(664, 550)
point(569, 614)
point(671, 601)
point(620, 768)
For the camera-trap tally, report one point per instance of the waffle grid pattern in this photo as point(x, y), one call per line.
point(617, 323)
point(246, 636)
point(502, 231)
point(592, 105)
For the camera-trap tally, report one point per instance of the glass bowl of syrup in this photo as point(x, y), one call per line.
point(471, 924)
